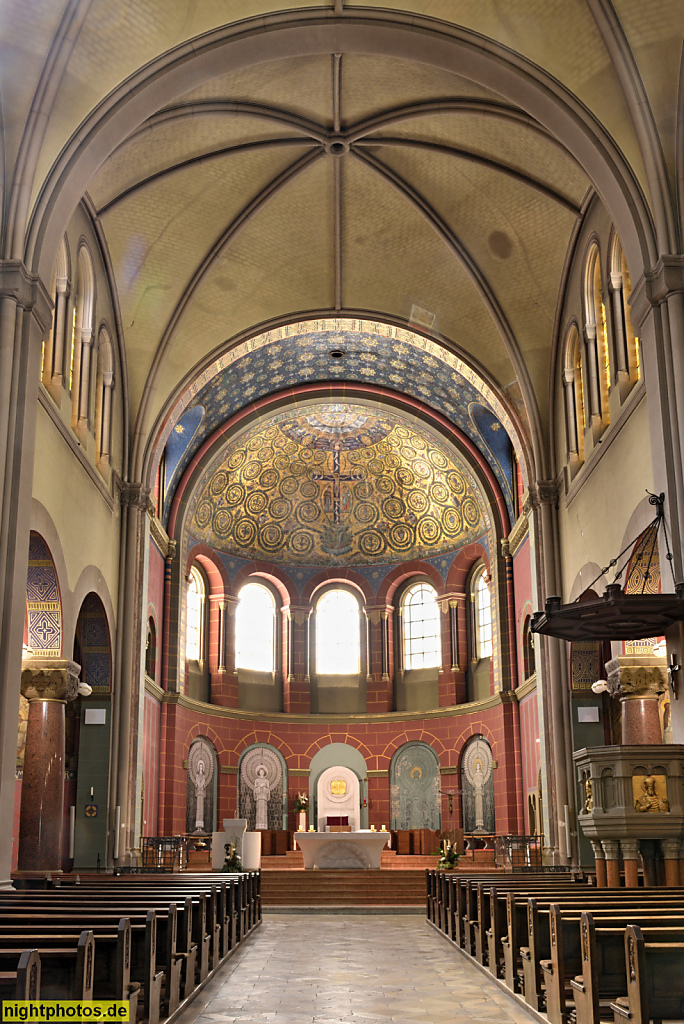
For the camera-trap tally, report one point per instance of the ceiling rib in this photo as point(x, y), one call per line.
point(203, 158)
point(207, 108)
point(465, 154)
point(247, 213)
point(475, 273)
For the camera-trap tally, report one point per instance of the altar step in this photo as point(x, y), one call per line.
point(399, 888)
point(294, 861)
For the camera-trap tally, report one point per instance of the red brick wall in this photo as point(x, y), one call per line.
point(299, 741)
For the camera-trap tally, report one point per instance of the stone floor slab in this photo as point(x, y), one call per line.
point(347, 969)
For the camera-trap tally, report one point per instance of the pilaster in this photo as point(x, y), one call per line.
point(24, 323)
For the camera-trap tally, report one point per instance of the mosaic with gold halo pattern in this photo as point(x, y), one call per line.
point(336, 484)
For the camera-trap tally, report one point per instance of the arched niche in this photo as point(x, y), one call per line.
point(262, 787)
point(88, 732)
point(43, 635)
point(414, 787)
point(477, 787)
point(332, 756)
point(200, 805)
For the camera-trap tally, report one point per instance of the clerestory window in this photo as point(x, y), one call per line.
point(255, 629)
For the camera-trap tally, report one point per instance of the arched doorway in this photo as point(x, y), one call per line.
point(345, 765)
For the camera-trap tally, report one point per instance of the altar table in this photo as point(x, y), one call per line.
point(342, 850)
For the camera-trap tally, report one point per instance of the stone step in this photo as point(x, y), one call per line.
point(342, 888)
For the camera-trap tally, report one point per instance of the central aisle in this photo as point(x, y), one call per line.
point(350, 969)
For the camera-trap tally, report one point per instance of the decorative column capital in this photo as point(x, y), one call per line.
point(49, 679)
point(135, 495)
point(543, 492)
point(633, 676)
point(28, 291)
point(630, 849)
point(664, 279)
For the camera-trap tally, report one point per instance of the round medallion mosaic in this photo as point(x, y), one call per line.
point(335, 484)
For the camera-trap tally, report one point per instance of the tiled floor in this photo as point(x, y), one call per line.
point(350, 970)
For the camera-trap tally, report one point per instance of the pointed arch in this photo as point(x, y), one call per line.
point(104, 388)
point(596, 341)
point(625, 342)
point(573, 387)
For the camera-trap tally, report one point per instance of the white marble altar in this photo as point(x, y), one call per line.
point(342, 850)
point(233, 832)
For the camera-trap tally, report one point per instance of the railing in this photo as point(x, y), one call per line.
point(522, 853)
point(164, 853)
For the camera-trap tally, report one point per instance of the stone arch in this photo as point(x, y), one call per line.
point(202, 782)
point(346, 756)
point(92, 645)
point(415, 787)
point(477, 786)
point(251, 758)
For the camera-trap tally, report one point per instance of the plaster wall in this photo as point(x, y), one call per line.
point(87, 527)
point(593, 522)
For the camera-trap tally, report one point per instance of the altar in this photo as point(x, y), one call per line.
point(360, 850)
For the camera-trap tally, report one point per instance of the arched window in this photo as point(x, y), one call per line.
point(255, 629)
point(481, 604)
point(103, 398)
point(529, 660)
point(81, 342)
point(598, 359)
point(52, 365)
point(151, 650)
point(338, 639)
point(422, 637)
point(573, 385)
point(626, 343)
point(195, 616)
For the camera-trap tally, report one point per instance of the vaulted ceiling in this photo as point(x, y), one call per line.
point(269, 189)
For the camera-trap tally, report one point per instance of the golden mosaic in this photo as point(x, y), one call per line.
point(336, 484)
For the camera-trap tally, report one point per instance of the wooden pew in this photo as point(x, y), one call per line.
point(143, 948)
point(112, 956)
point(603, 978)
point(566, 948)
point(66, 964)
point(655, 980)
point(518, 921)
point(24, 981)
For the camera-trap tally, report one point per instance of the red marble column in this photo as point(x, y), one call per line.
point(47, 684)
point(611, 848)
point(630, 857)
point(600, 860)
point(640, 720)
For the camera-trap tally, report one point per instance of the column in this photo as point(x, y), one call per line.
point(24, 322)
point(630, 856)
point(47, 684)
point(600, 859)
point(127, 709)
point(611, 850)
point(671, 848)
point(542, 500)
point(224, 689)
point(638, 682)
point(571, 425)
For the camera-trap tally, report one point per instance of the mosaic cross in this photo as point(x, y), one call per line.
point(336, 478)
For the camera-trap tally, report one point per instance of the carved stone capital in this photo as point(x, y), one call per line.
point(671, 848)
point(28, 291)
point(664, 279)
point(632, 676)
point(611, 848)
point(44, 679)
point(630, 849)
point(543, 492)
point(135, 495)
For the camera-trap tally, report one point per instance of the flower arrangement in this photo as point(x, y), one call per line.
point(301, 804)
point(450, 856)
point(232, 861)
